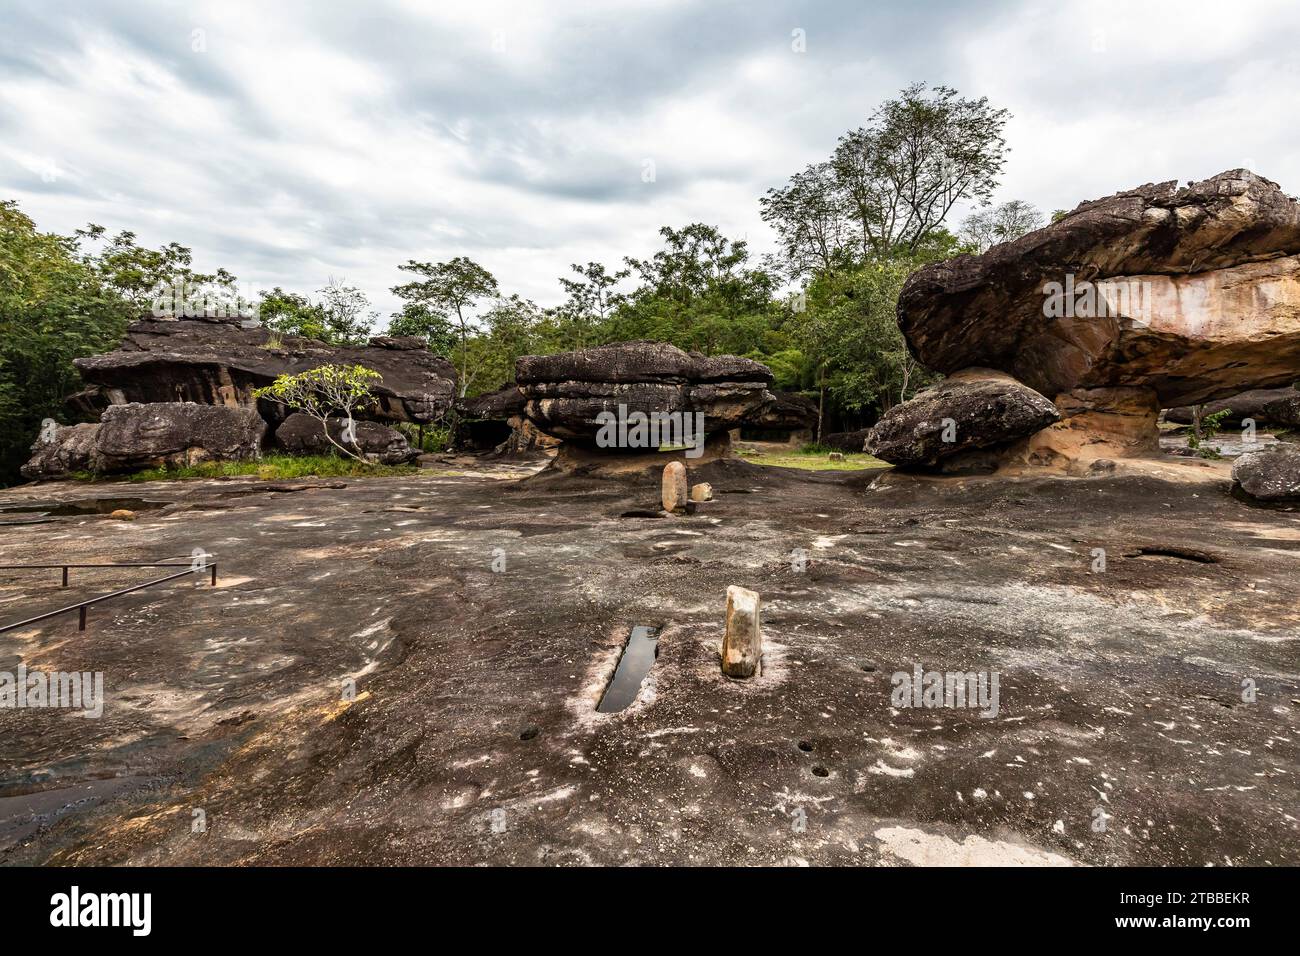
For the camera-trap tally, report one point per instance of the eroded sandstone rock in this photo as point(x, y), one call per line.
point(1270, 474)
point(674, 488)
point(300, 434)
point(72, 449)
point(742, 643)
point(1096, 423)
point(153, 435)
point(219, 362)
point(568, 393)
point(1249, 404)
point(973, 409)
point(1202, 285)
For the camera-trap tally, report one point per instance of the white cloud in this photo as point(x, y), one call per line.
point(308, 140)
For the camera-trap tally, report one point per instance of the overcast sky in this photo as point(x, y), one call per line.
point(292, 142)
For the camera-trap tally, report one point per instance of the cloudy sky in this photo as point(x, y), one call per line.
point(292, 142)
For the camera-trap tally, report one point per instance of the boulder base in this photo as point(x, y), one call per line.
point(300, 434)
point(173, 434)
point(973, 409)
point(1270, 474)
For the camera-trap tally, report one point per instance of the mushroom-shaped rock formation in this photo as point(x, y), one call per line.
point(610, 392)
point(220, 362)
point(1190, 294)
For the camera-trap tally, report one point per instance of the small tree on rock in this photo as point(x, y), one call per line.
point(324, 392)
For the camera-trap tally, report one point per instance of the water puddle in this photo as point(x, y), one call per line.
point(88, 506)
point(638, 657)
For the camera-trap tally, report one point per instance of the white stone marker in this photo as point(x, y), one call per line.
point(702, 492)
point(674, 487)
point(742, 646)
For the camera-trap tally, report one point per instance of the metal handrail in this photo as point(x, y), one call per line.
point(64, 567)
point(81, 606)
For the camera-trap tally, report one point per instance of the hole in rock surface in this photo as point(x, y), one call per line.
point(638, 657)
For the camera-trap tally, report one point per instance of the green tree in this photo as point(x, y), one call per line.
point(417, 318)
point(56, 304)
point(986, 228)
point(342, 316)
point(451, 288)
point(326, 392)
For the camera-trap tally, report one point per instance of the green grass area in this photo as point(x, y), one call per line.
point(268, 468)
point(812, 458)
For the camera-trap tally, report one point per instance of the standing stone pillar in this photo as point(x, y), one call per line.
point(742, 646)
point(674, 487)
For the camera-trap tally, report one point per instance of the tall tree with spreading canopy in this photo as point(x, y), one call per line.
point(452, 287)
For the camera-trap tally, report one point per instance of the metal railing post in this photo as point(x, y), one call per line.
point(65, 575)
point(81, 618)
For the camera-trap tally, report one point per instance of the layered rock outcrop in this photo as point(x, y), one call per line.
point(495, 421)
point(974, 409)
point(788, 417)
point(572, 394)
point(175, 434)
point(220, 362)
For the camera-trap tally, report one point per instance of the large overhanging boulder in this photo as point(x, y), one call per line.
point(1201, 286)
point(972, 410)
point(574, 395)
point(220, 362)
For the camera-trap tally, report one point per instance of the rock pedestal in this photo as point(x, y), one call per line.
point(742, 645)
point(634, 397)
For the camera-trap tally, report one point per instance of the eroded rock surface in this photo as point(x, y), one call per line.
point(970, 410)
point(300, 434)
point(1254, 404)
point(72, 449)
point(172, 434)
point(567, 392)
point(219, 362)
point(1270, 474)
point(1202, 284)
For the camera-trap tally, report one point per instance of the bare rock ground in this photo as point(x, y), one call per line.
point(481, 612)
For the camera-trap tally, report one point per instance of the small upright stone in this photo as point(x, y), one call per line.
point(674, 487)
point(742, 645)
point(702, 492)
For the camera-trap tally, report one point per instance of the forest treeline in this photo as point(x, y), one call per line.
point(820, 311)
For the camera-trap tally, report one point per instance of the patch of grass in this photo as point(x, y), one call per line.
point(268, 468)
point(813, 458)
